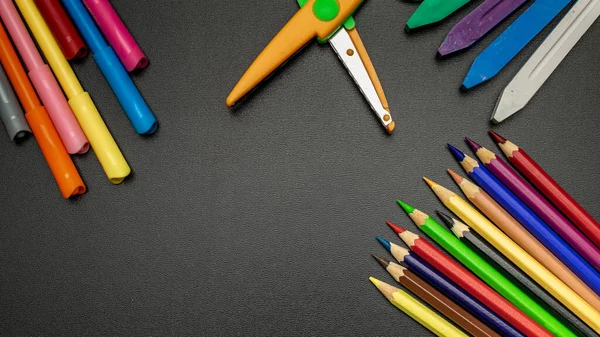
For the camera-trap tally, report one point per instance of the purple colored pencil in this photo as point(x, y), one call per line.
point(478, 23)
point(538, 204)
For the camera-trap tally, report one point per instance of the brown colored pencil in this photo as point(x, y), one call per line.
point(436, 299)
point(523, 238)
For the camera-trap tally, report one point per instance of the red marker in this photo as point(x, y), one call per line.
point(62, 28)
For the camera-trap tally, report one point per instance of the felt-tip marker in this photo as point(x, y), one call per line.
point(129, 96)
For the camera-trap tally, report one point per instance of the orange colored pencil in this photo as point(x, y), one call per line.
point(513, 229)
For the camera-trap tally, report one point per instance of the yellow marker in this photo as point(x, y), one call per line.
point(417, 311)
point(518, 256)
point(107, 151)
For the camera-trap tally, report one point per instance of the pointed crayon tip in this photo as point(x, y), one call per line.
point(430, 182)
point(385, 243)
point(406, 207)
point(458, 154)
point(472, 145)
point(457, 178)
point(383, 262)
point(497, 138)
point(397, 229)
point(446, 218)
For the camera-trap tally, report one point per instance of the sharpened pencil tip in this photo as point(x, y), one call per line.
point(406, 207)
point(472, 145)
point(429, 182)
point(385, 243)
point(383, 262)
point(458, 154)
point(446, 218)
point(497, 138)
point(457, 178)
point(397, 229)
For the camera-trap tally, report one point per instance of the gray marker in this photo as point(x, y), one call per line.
point(11, 113)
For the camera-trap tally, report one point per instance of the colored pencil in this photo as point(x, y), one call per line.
point(435, 299)
point(472, 285)
point(432, 11)
point(537, 203)
point(546, 58)
point(477, 24)
point(485, 271)
point(502, 264)
point(506, 46)
point(528, 219)
point(550, 188)
point(62, 29)
point(11, 114)
point(106, 149)
point(517, 255)
point(417, 311)
point(60, 163)
point(453, 291)
point(44, 82)
point(523, 238)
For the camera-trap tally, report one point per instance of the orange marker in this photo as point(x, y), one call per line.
point(54, 151)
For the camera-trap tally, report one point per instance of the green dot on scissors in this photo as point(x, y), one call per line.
point(326, 10)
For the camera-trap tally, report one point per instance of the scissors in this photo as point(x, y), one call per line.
point(329, 21)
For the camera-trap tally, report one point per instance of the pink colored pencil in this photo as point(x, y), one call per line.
point(44, 82)
point(538, 204)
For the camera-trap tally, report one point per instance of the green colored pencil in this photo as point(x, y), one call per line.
point(486, 272)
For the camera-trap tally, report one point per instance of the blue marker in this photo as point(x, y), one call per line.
point(529, 220)
point(512, 41)
point(131, 100)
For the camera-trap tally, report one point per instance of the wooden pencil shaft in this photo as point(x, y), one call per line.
point(460, 296)
point(444, 305)
point(528, 242)
point(493, 278)
point(477, 244)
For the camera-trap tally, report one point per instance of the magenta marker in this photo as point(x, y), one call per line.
point(120, 39)
point(478, 23)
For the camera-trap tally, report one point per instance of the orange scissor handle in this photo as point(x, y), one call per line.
point(309, 22)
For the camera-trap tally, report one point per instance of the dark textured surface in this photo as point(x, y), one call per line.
point(262, 221)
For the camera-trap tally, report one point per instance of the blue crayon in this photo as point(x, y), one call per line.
point(512, 41)
point(536, 226)
point(455, 293)
point(129, 97)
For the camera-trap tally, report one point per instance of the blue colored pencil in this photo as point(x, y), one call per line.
point(513, 40)
point(450, 289)
point(528, 219)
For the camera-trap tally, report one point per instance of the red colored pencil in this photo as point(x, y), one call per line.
point(471, 284)
point(550, 188)
point(538, 204)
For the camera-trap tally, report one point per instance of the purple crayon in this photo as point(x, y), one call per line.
point(478, 23)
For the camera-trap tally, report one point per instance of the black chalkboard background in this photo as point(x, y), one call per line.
point(261, 221)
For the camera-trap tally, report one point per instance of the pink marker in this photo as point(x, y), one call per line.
point(113, 28)
point(44, 82)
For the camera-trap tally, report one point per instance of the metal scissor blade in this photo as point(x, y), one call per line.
point(349, 55)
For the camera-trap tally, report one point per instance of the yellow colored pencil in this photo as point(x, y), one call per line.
point(518, 256)
point(417, 311)
point(105, 147)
